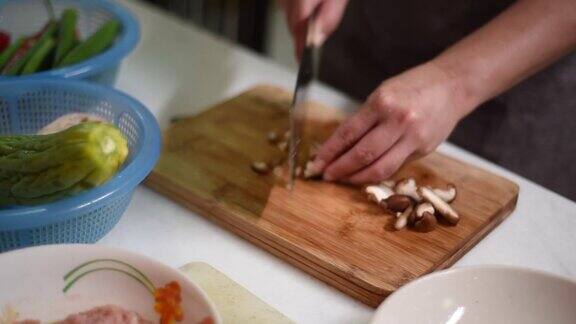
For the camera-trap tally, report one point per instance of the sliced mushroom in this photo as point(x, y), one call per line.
point(388, 183)
point(396, 202)
point(378, 194)
point(426, 223)
point(423, 208)
point(408, 187)
point(440, 205)
point(448, 194)
point(311, 170)
point(283, 146)
point(273, 137)
point(402, 220)
point(419, 211)
point(260, 167)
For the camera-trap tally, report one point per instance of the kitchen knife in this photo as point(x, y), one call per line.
point(297, 109)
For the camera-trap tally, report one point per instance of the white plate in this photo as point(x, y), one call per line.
point(483, 294)
point(32, 283)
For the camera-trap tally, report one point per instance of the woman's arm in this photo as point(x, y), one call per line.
point(522, 40)
point(409, 115)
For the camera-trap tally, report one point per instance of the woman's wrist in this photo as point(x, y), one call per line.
point(464, 92)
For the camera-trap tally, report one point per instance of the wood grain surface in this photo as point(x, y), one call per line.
point(330, 231)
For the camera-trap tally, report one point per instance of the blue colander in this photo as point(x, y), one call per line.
point(28, 105)
point(26, 17)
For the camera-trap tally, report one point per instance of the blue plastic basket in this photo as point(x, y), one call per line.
point(28, 105)
point(26, 17)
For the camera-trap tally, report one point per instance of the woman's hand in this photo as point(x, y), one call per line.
point(406, 117)
point(328, 18)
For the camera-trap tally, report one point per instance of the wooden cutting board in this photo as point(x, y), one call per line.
point(330, 231)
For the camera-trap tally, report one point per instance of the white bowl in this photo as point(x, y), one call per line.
point(32, 282)
point(482, 294)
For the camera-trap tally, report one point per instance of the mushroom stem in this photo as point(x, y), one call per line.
point(440, 205)
point(448, 194)
point(408, 187)
point(378, 193)
point(260, 167)
point(420, 209)
point(311, 170)
point(273, 137)
point(283, 146)
point(423, 208)
point(402, 220)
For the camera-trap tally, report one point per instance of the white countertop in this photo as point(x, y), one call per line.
point(178, 69)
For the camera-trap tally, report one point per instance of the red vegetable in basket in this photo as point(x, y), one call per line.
point(16, 62)
point(4, 40)
point(19, 54)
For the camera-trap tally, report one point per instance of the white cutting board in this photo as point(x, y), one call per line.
point(234, 303)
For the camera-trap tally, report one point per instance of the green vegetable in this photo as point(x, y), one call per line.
point(48, 33)
point(42, 168)
point(39, 57)
point(95, 44)
point(66, 34)
point(8, 52)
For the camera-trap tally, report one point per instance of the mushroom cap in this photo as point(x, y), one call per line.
point(398, 203)
point(426, 223)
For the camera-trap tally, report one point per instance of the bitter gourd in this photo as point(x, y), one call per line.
point(42, 168)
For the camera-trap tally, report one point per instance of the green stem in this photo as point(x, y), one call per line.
point(69, 285)
point(144, 277)
point(50, 9)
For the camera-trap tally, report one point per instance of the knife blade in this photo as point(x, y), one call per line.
point(297, 110)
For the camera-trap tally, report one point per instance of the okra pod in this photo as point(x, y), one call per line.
point(66, 34)
point(35, 62)
point(95, 44)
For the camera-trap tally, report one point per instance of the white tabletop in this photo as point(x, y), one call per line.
point(178, 69)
